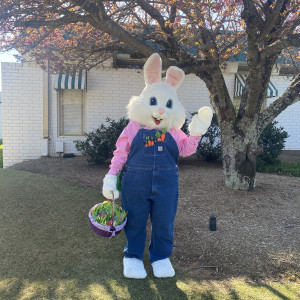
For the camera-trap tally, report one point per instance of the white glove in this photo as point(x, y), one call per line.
point(110, 186)
point(201, 121)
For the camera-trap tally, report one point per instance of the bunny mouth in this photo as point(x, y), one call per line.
point(157, 121)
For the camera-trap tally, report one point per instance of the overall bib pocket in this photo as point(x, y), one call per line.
point(152, 147)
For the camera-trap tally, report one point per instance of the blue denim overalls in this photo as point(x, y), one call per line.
point(150, 186)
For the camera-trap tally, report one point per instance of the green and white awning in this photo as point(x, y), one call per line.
point(239, 86)
point(74, 81)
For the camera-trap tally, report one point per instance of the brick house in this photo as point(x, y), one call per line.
point(43, 114)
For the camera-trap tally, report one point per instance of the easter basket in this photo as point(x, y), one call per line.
point(107, 219)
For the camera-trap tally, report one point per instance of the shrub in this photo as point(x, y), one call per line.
point(184, 127)
point(272, 140)
point(100, 143)
point(209, 147)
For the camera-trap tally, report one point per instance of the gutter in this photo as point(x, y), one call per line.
point(45, 146)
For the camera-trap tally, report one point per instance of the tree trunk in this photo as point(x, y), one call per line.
point(239, 152)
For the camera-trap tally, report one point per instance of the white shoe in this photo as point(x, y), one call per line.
point(134, 268)
point(163, 268)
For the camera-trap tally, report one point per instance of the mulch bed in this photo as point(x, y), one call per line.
point(257, 232)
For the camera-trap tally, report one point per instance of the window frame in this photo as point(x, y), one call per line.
point(59, 116)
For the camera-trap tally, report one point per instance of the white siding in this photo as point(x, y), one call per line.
point(289, 119)
point(22, 112)
point(108, 92)
point(0, 120)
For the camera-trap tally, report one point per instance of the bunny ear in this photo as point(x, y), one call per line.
point(174, 77)
point(152, 69)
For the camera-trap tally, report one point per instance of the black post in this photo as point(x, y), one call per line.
point(212, 223)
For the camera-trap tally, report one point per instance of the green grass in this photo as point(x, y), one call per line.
point(287, 168)
point(49, 252)
point(1, 154)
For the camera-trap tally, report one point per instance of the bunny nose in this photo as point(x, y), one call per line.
point(161, 111)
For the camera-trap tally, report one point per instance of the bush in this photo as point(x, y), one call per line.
point(272, 140)
point(209, 147)
point(100, 143)
point(184, 127)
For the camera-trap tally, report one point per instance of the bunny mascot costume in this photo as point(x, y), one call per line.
point(148, 151)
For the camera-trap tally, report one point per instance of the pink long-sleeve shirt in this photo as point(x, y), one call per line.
point(186, 145)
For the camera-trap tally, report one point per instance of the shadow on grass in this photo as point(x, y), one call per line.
point(47, 249)
point(275, 292)
point(49, 252)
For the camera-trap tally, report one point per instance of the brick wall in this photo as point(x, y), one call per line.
point(289, 118)
point(109, 91)
point(0, 120)
point(22, 112)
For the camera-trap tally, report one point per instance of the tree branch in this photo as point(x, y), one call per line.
point(106, 24)
point(174, 48)
point(37, 42)
point(52, 23)
point(250, 10)
point(219, 26)
point(223, 50)
point(253, 83)
point(153, 12)
point(173, 13)
point(88, 6)
point(295, 24)
point(272, 19)
point(218, 94)
point(290, 96)
point(279, 45)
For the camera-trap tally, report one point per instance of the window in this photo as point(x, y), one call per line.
point(71, 110)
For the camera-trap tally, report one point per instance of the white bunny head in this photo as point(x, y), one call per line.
point(158, 105)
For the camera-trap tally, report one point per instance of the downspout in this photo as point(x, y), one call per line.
point(45, 142)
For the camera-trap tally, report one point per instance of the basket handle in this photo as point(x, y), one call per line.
point(112, 228)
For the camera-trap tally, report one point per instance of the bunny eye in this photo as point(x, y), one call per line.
point(169, 103)
point(153, 101)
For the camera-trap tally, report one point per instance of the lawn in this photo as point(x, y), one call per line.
point(48, 252)
point(282, 167)
point(1, 156)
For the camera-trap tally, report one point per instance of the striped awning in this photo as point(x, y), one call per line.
point(74, 81)
point(239, 86)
